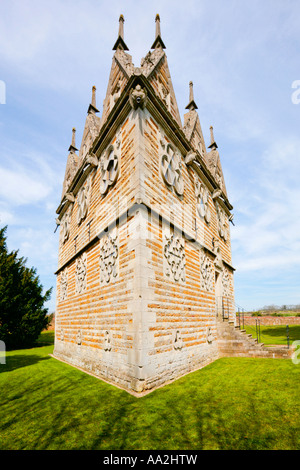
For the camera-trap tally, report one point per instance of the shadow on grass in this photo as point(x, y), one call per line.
point(18, 361)
point(281, 332)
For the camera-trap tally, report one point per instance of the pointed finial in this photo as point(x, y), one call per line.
point(92, 106)
point(158, 42)
point(213, 144)
point(120, 44)
point(157, 26)
point(121, 27)
point(192, 105)
point(72, 147)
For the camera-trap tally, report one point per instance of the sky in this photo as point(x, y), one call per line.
point(243, 58)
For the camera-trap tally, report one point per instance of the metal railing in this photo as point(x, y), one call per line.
point(256, 329)
point(223, 307)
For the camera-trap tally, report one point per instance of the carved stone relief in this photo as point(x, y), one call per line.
point(226, 282)
point(164, 94)
point(171, 169)
point(107, 341)
point(202, 197)
point(109, 252)
point(79, 337)
point(109, 165)
point(65, 226)
point(174, 255)
point(206, 272)
point(81, 274)
point(83, 199)
point(209, 336)
point(63, 285)
point(222, 222)
point(178, 343)
point(138, 97)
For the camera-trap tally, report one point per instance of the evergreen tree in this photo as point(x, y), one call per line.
point(22, 312)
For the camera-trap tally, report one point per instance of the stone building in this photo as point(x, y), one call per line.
point(144, 268)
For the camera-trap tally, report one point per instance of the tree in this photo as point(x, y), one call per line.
point(22, 312)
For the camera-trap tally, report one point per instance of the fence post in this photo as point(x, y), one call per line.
point(288, 336)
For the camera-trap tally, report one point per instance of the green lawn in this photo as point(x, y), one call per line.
point(234, 403)
point(275, 334)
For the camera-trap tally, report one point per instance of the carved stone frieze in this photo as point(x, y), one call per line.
point(81, 274)
point(206, 272)
point(171, 169)
point(174, 254)
point(109, 253)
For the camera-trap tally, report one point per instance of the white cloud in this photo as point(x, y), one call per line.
point(26, 179)
point(268, 236)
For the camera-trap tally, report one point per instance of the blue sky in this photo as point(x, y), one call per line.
point(243, 58)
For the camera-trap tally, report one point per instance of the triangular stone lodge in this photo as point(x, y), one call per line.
point(144, 268)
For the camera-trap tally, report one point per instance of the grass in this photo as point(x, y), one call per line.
point(277, 335)
point(234, 403)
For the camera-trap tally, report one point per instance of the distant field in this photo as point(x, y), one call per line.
point(232, 404)
point(282, 313)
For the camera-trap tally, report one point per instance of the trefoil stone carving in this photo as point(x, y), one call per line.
point(222, 222)
point(81, 274)
point(109, 253)
point(226, 282)
point(171, 169)
point(63, 285)
point(202, 197)
point(109, 164)
point(65, 226)
point(206, 272)
point(83, 198)
point(174, 253)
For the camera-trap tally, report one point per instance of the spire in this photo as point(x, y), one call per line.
point(158, 42)
point(192, 105)
point(213, 144)
point(92, 106)
point(120, 41)
point(72, 147)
